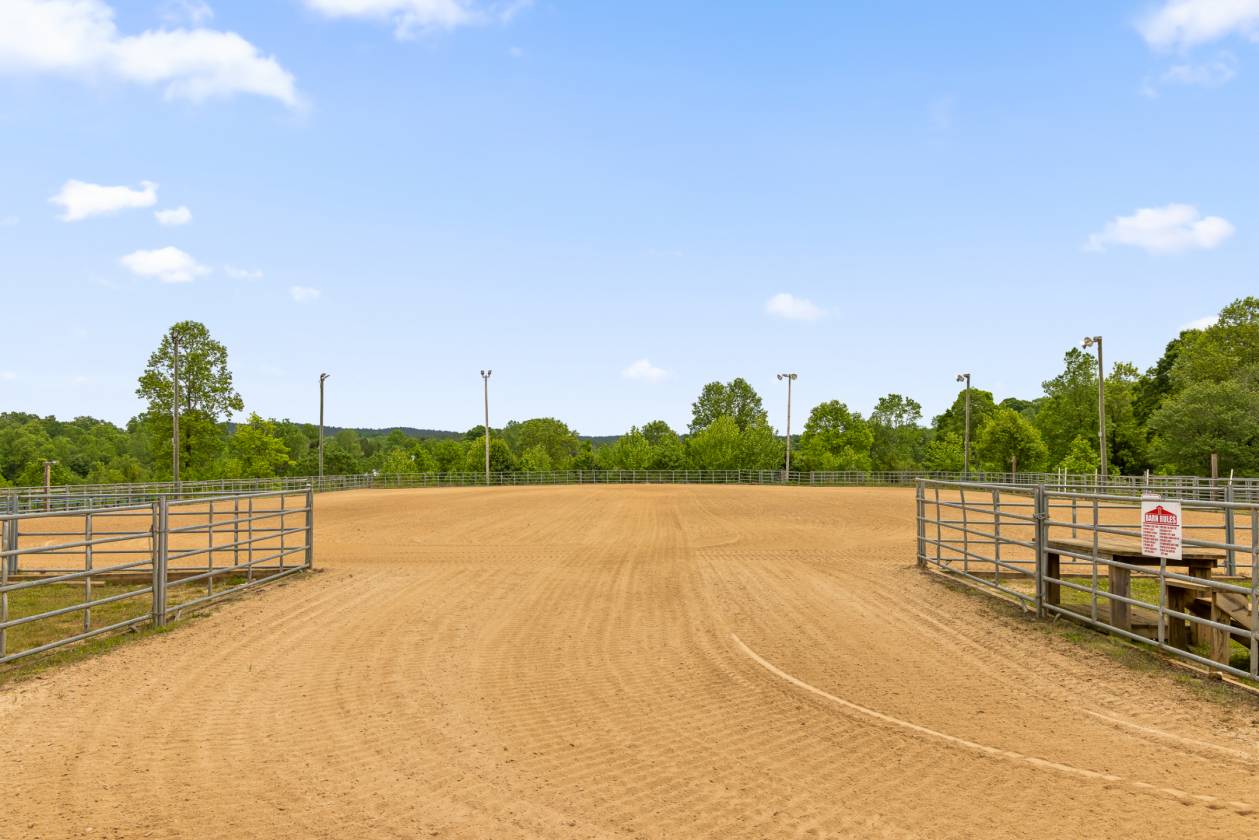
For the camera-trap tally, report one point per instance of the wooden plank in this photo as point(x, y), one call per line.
point(1130, 551)
point(1177, 628)
point(1144, 622)
point(1120, 584)
point(1219, 638)
point(1186, 585)
point(1236, 605)
point(1053, 591)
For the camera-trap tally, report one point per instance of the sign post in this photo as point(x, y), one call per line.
point(1161, 528)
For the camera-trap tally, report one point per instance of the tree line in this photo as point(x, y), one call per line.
point(1200, 399)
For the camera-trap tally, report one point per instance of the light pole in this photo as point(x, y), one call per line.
point(965, 377)
point(48, 465)
point(485, 379)
point(323, 377)
point(790, 377)
point(1088, 342)
point(174, 404)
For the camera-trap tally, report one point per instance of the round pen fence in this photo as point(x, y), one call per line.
point(72, 496)
point(1079, 555)
point(68, 575)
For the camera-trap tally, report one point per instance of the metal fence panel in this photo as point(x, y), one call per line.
point(1075, 554)
point(71, 575)
point(83, 496)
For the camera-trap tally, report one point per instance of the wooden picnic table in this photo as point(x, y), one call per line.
point(1199, 561)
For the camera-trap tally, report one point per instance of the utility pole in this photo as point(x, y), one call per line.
point(485, 378)
point(965, 377)
point(790, 377)
point(48, 484)
point(1088, 342)
point(323, 377)
point(174, 343)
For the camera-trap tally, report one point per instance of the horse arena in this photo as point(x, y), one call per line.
point(619, 662)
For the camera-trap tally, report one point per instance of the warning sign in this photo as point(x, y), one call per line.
point(1160, 528)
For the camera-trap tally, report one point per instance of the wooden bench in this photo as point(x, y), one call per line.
point(1229, 608)
point(1199, 561)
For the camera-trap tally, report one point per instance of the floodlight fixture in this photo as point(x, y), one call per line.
point(485, 378)
point(1089, 341)
point(790, 377)
point(965, 377)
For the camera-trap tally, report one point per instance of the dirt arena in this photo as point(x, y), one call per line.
point(589, 662)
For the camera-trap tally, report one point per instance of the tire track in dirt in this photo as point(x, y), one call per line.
point(995, 752)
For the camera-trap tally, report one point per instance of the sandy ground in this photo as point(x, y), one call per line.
point(618, 662)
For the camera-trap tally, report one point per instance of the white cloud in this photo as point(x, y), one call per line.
point(1187, 23)
point(173, 217)
point(1200, 323)
point(644, 371)
point(7, 376)
point(195, 12)
point(793, 308)
point(1220, 71)
point(80, 200)
point(1164, 230)
point(78, 38)
point(169, 264)
point(1208, 74)
point(9, 221)
point(237, 273)
point(304, 294)
point(413, 16)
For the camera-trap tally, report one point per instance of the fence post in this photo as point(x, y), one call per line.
point(11, 540)
point(1230, 531)
point(921, 506)
point(1042, 534)
point(310, 527)
point(160, 555)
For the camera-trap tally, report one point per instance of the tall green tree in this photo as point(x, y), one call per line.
point(953, 420)
point(898, 439)
point(1008, 440)
point(834, 439)
point(631, 451)
point(736, 399)
point(558, 441)
point(944, 453)
point(1221, 351)
point(257, 450)
point(1208, 417)
point(668, 452)
point(718, 446)
point(207, 397)
point(535, 460)
point(501, 457)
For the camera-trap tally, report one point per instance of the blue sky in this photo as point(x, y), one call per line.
point(876, 195)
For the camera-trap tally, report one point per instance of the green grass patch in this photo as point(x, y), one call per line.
point(1144, 589)
point(53, 596)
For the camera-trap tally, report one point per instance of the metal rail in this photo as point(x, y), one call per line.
point(1053, 551)
point(160, 558)
point(82, 496)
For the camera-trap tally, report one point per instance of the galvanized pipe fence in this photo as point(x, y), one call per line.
point(71, 575)
point(1077, 555)
point(69, 497)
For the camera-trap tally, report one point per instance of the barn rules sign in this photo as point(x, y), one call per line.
point(1161, 528)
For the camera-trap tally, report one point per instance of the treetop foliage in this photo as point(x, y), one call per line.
point(1200, 398)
